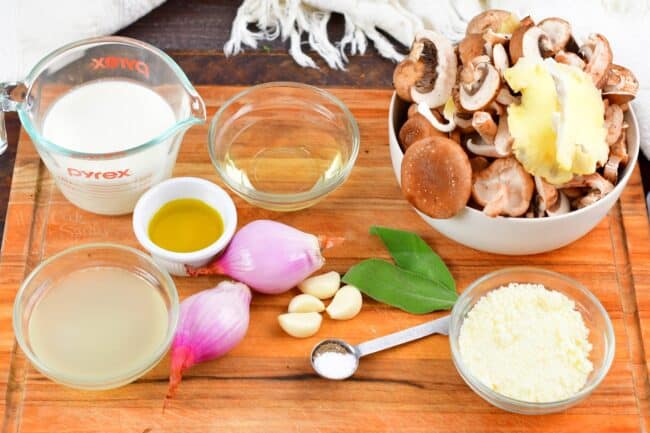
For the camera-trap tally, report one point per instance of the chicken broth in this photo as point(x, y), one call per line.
point(98, 323)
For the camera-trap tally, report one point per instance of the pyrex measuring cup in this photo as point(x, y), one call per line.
point(104, 182)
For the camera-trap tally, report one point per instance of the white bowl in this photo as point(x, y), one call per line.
point(515, 236)
point(176, 188)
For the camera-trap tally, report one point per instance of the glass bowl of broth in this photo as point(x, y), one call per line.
point(283, 146)
point(96, 316)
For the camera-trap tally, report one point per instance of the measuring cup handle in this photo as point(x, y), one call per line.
point(3, 134)
point(438, 326)
point(11, 97)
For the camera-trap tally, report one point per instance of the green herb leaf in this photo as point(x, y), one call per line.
point(406, 290)
point(410, 252)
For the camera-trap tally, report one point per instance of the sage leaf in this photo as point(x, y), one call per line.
point(406, 290)
point(410, 252)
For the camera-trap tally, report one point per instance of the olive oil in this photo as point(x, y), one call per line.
point(185, 225)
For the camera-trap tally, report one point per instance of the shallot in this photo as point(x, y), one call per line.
point(210, 323)
point(269, 256)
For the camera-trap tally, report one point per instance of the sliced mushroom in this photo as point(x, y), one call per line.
point(490, 19)
point(500, 58)
point(535, 44)
point(471, 47)
point(463, 122)
point(561, 206)
point(619, 148)
point(504, 188)
point(598, 54)
point(558, 32)
point(538, 41)
point(416, 128)
point(478, 146)
point(613, 123)
point(488, 49)
point(621, 85)
point(536, 208)
point(413, 111)
point(586, 200)
point(496, 108)
point(484, 85)
point(571, 59)
point(572, 46)
point(503, 141)
point(594, 181)
point(493, 38)
point(547, 193)
point(573, 192)
point(437, 177)
point(517, 39)
point(610, 171)
point(429, 72)
point(506, 98)
point(618, 157)
point(485, 126)
point(426, 112)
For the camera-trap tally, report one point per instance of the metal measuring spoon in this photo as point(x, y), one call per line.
point(340, 347)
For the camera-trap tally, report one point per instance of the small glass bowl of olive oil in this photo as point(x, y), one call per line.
point(184, 221)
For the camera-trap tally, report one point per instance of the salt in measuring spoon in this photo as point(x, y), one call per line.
point(347, 356)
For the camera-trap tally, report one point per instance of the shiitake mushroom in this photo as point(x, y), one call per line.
point(436, 177)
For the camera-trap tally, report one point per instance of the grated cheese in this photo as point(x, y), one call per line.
point(527, 343)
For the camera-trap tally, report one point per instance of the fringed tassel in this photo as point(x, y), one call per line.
point(289, 19)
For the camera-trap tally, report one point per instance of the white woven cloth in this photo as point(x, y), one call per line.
point(623, 22)
point(30, 29)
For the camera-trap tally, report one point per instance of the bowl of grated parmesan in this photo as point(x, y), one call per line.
point(530, 341)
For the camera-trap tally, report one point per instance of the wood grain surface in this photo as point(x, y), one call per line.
point(266, 383)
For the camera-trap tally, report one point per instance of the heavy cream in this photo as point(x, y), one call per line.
point(107, 116)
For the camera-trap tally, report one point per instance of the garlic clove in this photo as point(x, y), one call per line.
point(322, 286)
point(346, 303)
point(300, 325)
point(306, 304)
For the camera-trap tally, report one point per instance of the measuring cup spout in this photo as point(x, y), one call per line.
point(197, 107)
point(11, 96)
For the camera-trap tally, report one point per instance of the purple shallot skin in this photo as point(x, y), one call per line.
point(269, 256)
point(210, 324)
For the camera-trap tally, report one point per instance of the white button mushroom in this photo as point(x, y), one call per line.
point(599, 58)
point(428, 73)
point(621, 85)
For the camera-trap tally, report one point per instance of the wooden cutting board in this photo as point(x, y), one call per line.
point(266, 383)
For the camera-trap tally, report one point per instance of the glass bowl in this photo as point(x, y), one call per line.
point(601, 334)
point(283, 146)
point(83, 257)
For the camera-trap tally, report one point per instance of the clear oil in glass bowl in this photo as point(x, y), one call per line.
point(283, 146)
